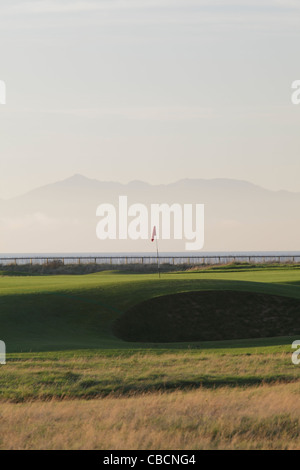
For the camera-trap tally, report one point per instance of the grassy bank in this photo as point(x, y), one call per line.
point(44, 313)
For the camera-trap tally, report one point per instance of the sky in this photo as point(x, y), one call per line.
point(154, 90)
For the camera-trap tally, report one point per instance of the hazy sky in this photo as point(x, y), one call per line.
point(156, 90)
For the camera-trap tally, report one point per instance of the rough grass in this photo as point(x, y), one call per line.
point(57, 267)
point(189, 395)
point(264, 417)
point(98, 375)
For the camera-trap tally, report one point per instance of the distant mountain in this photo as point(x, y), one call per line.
point(61, 217)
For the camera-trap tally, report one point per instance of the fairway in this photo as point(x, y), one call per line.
point(54, 313)
point(61, 344)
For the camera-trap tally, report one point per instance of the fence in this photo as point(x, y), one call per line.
point(147, 260)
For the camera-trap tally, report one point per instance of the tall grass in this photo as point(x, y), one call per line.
point(265, 417)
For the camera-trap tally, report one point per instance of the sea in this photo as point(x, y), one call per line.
point(183, 254)
point(208, 257)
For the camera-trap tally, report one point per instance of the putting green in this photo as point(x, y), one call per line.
point(59, 313)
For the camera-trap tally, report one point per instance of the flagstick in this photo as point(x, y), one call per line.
point(157, 257)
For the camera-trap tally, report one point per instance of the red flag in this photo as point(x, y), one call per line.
point(153, 233)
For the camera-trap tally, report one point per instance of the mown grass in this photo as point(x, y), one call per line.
point(58, 332)
point(62, 351)
point(77, 312)
point(209, 316)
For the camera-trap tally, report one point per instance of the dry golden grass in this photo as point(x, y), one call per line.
point(264, 417)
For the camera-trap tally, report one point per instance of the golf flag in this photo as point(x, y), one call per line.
point(154, 236)
point(153, 233)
